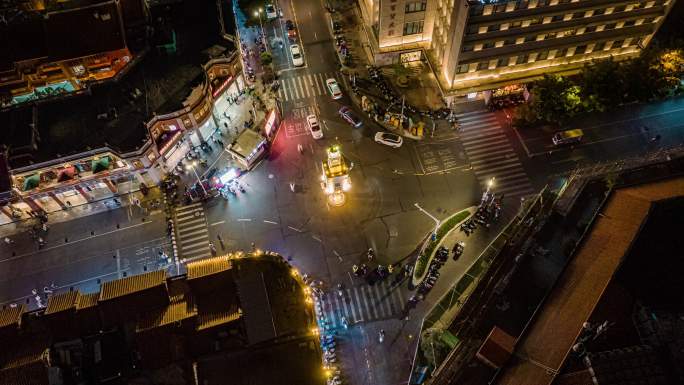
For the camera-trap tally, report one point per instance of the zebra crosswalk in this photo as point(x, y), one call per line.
point(491, 155)
point(192, 232)
point(363, 303)
point(305, 85)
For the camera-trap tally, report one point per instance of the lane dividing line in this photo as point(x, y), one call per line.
point(271, 222)
point(244, 219)
point(217, 223)
point(295, 229)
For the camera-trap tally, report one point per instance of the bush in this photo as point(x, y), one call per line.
point(443, 229)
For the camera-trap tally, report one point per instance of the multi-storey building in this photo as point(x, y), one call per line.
point(476, 46)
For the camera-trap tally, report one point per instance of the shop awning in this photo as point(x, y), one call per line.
point(66, 173)
point(100, 164)
point(31, 182)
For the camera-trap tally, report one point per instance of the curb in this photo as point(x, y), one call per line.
point(414, 281)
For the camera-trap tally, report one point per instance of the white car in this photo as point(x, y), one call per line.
point(389, 139)
point(314, 127)
point(271, 11)
point(334, 88)
point(297, 58)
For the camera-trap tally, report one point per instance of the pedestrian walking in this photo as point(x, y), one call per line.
point(212, 248)
point(253, 247)
point(300, 148)
point(292, 186)
point(8, 241)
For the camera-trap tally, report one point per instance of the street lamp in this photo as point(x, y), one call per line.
point(261, 24)
point(437, 221)
point(192, 166)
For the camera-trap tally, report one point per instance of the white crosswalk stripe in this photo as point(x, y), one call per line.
point(305, 85)
point(491, 155)
point(363, 303)
point(192, 233)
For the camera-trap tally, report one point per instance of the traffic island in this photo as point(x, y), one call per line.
point(431, 245)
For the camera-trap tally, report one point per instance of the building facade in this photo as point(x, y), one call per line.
point(476, 46)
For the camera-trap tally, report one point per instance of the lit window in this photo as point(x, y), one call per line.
point(463, 68)
point(415, 6)
point(515, 24)
point(413, 27)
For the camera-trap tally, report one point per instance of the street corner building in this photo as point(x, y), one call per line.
point(240, 317)
point(474, 46)
point(100, 97)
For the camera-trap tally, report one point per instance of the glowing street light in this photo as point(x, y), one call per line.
point(193, 166)
point(261, 24)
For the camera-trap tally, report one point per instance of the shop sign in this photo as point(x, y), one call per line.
point(222, 87)
point(270, 123)
point(408, 57)
point(201, 112)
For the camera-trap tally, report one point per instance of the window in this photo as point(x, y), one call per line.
point(472, 29)
point(599, 11)
point(500, 8)
point(610, 26)
point(463, 68)
point(520, 4)
point(502, 62)
point(482, 65)
point(493, 27)
point(617, 44)
point(580, 50)
point(536, 20)
point(557, 18)
point(550, 35)
point(413, 27)
point(649, 20)
point(629, 23)
point(578, 15)
point(599, 46)
point(509, 41)
point(467, 48)
point(543, 55)
point(487, 45)
point(522, 59)
point(515, 24)
point(620, 8)
point(543, 3)
point(589, 29)
point(415, 6)
point(530, 38)
point(562, 52)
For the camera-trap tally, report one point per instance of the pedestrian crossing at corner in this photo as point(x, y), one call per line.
point(192, 232)
point(305, 85)
point(364, 303)
point(491, 155)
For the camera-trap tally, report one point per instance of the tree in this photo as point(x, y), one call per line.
point(602, 85)
point(433, 347)
point(266, 58)
point(554, 99)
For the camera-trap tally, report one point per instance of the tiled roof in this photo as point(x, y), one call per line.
point(11, 315)
point(208, 266)
point(175, 311)
point(132, 284)
point(211, 319)
point(61, 302)
point(87, 300)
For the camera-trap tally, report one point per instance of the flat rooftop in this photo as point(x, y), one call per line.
point(542, 350)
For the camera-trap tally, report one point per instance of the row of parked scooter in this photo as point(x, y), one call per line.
point(327, 336)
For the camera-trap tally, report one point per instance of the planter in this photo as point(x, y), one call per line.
point(430, 247)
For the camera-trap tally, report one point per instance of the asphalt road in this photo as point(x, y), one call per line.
point(81, 253)
point(444, 174)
